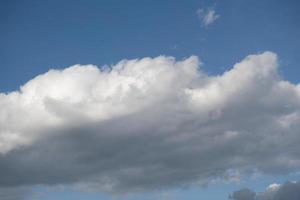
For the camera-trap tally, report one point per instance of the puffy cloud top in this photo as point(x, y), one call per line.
point(149, 123)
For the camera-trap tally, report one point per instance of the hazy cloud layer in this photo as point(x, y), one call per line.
point(286, 191)
point(18, 193)
point(149, 123)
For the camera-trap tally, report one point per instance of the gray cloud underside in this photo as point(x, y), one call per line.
point(149, 124)
point(286, 191)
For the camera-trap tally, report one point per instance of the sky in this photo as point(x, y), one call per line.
point(149, 100)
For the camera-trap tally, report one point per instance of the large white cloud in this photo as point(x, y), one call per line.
point(149, 123)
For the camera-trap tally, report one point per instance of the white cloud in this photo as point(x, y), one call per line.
point(207, 16)
point(150, 123)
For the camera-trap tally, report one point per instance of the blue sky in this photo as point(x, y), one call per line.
point(37, 36)
point(214, 192)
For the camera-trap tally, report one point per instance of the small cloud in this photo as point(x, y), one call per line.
point(243, 194)
point(288, 190)
point(207, 16)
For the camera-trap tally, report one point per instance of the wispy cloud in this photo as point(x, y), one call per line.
point(207, 16)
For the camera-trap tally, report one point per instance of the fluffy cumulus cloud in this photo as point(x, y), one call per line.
point(149, 124)
point(286, 191)
point(207, 16)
